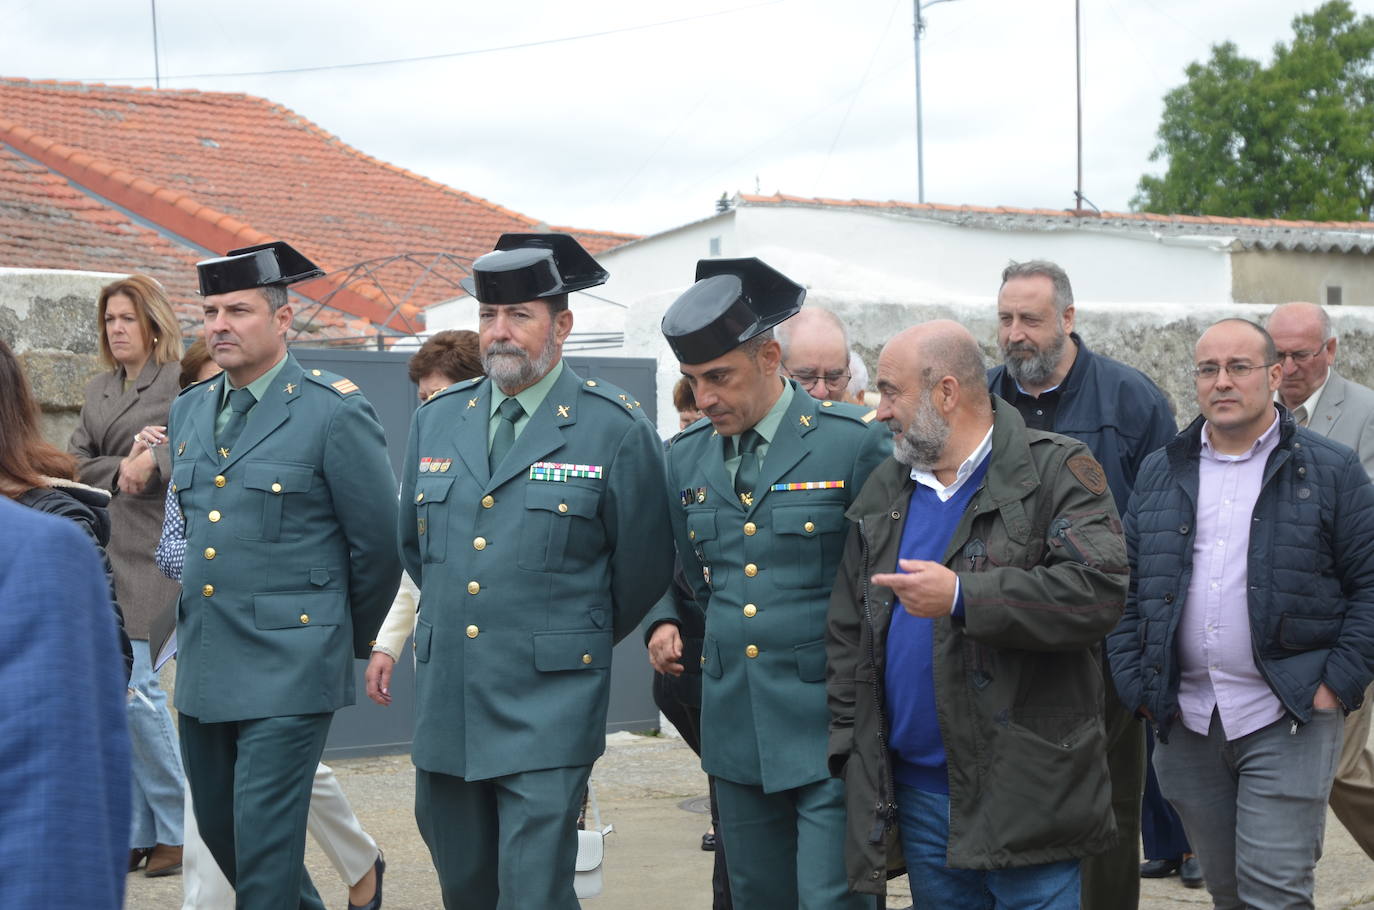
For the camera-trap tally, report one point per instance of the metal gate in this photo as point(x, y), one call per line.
point(369, 729)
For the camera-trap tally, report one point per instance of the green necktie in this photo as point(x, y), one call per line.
point(509, 411)
point(241, 401)
point(747, 474)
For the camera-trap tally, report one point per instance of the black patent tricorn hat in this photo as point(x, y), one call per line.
point(732, 301)
point(260, 266)
point(525, 267)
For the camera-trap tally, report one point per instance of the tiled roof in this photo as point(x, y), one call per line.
point(46, 224)
point(227, 170)
point(1256, 233)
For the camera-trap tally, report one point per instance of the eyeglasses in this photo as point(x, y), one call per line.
point(1298, 357)
point(1206, 372)
point(807, 378)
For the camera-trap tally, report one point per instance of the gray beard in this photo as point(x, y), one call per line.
point(511, 368)
point(1037, 366)
point(922, 443)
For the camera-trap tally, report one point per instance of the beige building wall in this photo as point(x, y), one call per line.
point(1271, 276)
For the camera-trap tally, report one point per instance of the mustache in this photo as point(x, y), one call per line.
point(507, 348)
point(1022, 347)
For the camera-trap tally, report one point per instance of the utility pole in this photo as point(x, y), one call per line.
point(917, 5)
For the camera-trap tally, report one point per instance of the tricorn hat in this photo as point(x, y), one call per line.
point(732, 301)
point(525, 267)
point(260, 266)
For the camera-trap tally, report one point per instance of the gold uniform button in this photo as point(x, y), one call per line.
point(750, 609)
point(751, 570)
point(472, 631)
point(209, 552)
point(751, 652)
point(591, 383)
point(562, 507)
point(691, 535)
point(750, 529)
point(479, 543)
point(488, 502)
point(219, 480)
point(473, 587)
point(276, 488)
point(826, 404)
point(419, 497)
point(314, 372)
point(214, 515)
point(703, 660)
point(305, 619)
point(208, 590)
point(586, 658)
point(809, 527)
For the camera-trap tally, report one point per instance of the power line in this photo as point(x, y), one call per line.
point(448, 56)
point(839, 130)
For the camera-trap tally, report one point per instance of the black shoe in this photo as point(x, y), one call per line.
point(1158, 868)
point(1190, 872)
point(376, 902)
point(708, 842)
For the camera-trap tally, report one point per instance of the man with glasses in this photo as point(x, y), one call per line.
point(1248, 621)
point(815, 353)
point(1331, 405)
point(1052, 378)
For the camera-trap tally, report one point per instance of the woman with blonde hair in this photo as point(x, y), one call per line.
point(140, 345)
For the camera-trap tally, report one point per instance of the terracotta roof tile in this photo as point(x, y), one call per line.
point(225, 170)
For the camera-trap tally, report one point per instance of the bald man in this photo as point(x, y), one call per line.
point(1331, 405)
point(815, 353)
point(985, 566)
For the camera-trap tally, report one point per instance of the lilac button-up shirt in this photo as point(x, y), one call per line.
point(1214, 648)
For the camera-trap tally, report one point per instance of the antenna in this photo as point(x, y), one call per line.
point(157, 70)
point(1078, 86)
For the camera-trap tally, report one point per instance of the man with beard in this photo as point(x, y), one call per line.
point(985, 565)
point(1058, 384)
point(759, 491)
point(534, 523)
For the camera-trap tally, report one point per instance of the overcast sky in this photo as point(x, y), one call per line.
point(642, 129)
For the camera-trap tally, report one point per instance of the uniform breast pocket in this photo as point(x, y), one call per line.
point(810, 537)
point(431, 516)
point(702, 535)
point(271, 487)
point(183, 477)
point(560, 528)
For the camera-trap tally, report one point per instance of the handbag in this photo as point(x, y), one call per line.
point(590, 850)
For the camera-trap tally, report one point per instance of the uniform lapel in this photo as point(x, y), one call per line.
point(207, 408)
point(119, 399)
point(787, 446)
point(270, 412)
point(544, 432)
point(469, 434)
point(716, 475)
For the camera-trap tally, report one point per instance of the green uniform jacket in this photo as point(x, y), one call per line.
point(290, 561)
point(764, 575)
point(1018, 683)
point(526, 583)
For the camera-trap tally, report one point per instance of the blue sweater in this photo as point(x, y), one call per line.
point(918, 752)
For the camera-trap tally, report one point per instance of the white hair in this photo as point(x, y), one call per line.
point(858, 375)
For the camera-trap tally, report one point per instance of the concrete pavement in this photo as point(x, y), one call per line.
point(650, 789)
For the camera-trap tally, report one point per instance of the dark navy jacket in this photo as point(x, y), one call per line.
point(1113, 409)
point(1310, 572)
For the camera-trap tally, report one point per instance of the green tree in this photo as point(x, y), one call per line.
point(1294, 139)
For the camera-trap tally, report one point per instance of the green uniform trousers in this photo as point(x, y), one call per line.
point(1111, 880)
point(505, 843)
point(250, 786)
point(785, 850)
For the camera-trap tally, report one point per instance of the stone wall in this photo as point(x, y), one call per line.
point(1157, 339)
point(48, 318)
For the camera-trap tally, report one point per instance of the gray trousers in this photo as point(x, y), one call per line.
point(1254, 808)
